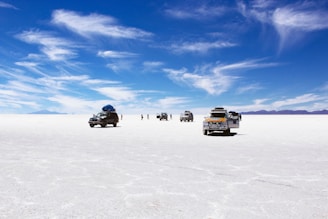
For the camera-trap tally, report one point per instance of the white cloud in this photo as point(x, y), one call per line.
point(215, 80)
point(120, 65)
point(55, 48)
point(292, 21)
point(32, 66)
point(308, 102)
point(6, 5)
point(152, 66)
point(93, 82)
point(305, 98)
point(118, 93)
point(196, 12)
point(69, 104)
point(248, 64)
point(247, 88)
point(8, 92)
point(201, 47)
point(96, 24)
point(212, 81)
point(169, 102)
point(20, 86)
point(19, 104)
point(116, 54)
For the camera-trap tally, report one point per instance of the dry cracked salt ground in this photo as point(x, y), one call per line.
point(56, 166)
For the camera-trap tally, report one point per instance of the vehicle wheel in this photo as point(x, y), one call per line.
point(91, 125)
point(103, 125)
point(115, 124)
point(205, 132)
point(227, 132)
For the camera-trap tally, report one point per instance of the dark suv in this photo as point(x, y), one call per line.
point(162, 116)
point(187, 116)
point(103, 118)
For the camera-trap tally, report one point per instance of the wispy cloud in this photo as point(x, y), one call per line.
point(96, 24)
point(215, 79)
point(248, 88)
point(168, 102)
point(31, 66)
point(152, 66)
point(55, 48)
point(292, 21)
point(15, 103)
point(120, 65)
point(116, 54)
point(213, 82)
point(7, 5)
point(305, 98)
point(72, 104)
point(199, 47)
point(311, 100)
point(118, 93)
point(196, 12)
point(247, 64)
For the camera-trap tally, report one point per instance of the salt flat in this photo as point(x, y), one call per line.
point(56, 166)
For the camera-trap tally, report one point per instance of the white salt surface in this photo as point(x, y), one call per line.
point(56, 166)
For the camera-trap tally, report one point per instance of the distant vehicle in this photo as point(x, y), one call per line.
point(162, 116)
point(186, 116)
point(220, 120)
point(107, 116)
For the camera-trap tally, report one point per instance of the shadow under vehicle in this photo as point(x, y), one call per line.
point(107, 116)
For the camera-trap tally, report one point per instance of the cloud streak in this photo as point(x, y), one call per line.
point(216, 79)
point(55, 48)
point(7, 5)
point(116, 54)
point(96, 24)
point(199, 47)
point(291, 21)
point(199, 12)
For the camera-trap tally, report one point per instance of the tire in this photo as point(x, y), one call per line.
point(103, 125)
point(227, 132)
point(91, 125)
point(115, 124)
point(205, 132)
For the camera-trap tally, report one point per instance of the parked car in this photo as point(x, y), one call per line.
point(107, 116)
point(220, 120)
point(162, 116)
point(186, 116)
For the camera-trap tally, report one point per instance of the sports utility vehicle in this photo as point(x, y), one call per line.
point(186, 116)
point(220, 120)
point(162, 116)
point(108, 115)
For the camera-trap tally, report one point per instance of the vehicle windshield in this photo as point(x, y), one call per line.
point(219, 115)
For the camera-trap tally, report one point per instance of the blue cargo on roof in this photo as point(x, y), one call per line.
point(108, 108)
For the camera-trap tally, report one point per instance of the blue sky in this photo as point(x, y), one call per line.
point(148, 56)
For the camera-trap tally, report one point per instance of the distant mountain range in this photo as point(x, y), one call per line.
point(286, 112)
point(45, 112)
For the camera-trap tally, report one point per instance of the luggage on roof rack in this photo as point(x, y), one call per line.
point(109, 108)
